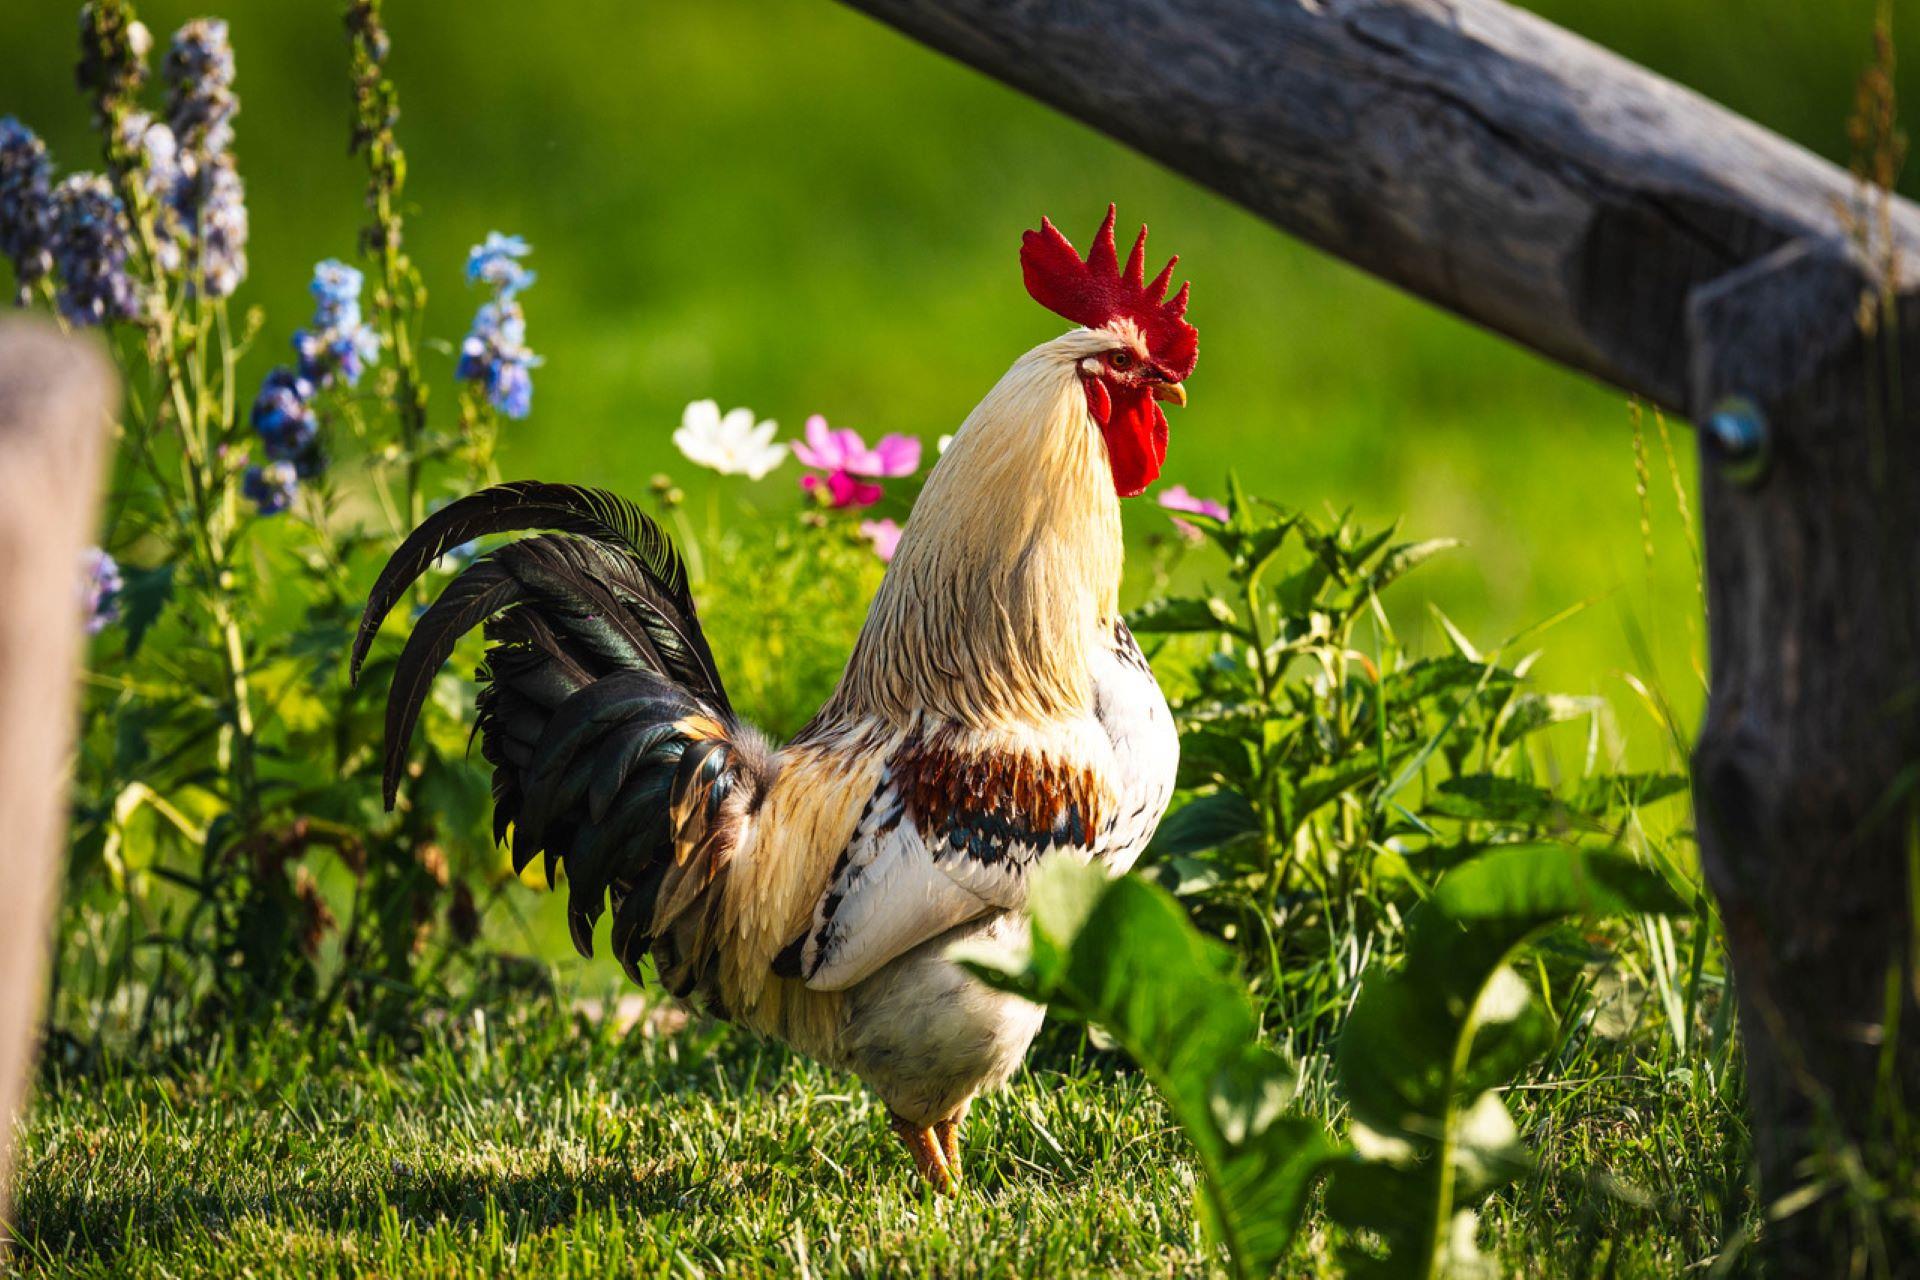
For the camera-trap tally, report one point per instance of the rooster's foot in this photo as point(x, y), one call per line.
point(929, 1155)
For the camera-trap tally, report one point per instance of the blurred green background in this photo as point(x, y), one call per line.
point(782, 204)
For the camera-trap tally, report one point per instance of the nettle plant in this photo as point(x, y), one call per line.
point(1328, 775)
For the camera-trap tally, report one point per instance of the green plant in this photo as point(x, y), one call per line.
point(1429, 1044)
point(1119, 953)
point(1419, 1061)
point(1329, 774)
point(230, 856)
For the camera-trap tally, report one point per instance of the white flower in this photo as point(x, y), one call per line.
point(733, 445)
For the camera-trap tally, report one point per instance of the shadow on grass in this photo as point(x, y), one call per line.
point(100, 1225)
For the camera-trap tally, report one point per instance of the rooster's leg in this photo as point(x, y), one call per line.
point(928, 1156)
point(948, 1132)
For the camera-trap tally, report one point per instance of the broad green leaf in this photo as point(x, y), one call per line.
point(1206, 822)
point(144, 595)
point(1369, 546)
point(1261, 546)
point(1430, 676)
point(1497, 799)
point(1622, 791)
point(1298, 591)
point(1208, 758)
point(1121, 955)
point(1427, 1042)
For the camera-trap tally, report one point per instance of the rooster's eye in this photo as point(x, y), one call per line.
point(1119, 359)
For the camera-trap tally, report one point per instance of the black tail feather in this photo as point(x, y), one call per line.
point(469, 600)
point(613, 744)
point(531, 506)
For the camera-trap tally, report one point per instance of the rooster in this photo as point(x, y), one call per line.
point(995, 710)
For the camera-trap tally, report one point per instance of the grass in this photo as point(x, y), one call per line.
point(525, 1135)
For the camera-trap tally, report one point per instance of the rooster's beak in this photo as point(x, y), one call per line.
point(1173, 391)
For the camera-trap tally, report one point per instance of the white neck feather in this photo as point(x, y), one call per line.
point(1009, 569)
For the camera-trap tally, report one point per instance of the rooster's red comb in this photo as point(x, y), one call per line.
point(1095, 292)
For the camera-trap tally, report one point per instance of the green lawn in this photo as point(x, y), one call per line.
point(530, 1139)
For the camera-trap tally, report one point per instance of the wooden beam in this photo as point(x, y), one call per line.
point(1464, 150)
point(56, 395)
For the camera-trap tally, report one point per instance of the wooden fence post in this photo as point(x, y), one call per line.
point(1807, 772)
point(56, 394)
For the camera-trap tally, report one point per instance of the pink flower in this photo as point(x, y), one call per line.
point(827, 449)
point(884, 535)
point(1178, 499)
point(841, 490)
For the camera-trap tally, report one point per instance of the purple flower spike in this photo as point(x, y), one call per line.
point(100, 585)
point(92, 241)
point(26, 204)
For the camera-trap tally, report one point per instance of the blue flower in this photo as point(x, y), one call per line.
point(271, 488)
point(158, 150)
point(90, 247)
point(494, 353)
point(495, 263)
point(339, 346)
point(26, 203)
point(336, 354)
point(283, 415)
point(100, 585)
point(336, 289)
point(158, 171)
point(511, 388)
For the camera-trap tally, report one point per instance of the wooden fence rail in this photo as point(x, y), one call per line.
point(56, 397)
point(1530, 181)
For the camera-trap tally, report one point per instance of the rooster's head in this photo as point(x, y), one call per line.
point(1152, 347)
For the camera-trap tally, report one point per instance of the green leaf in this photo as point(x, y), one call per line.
point(1184, 615)
point(1426, 1044)
point(1490, 797)
point(1405, 558)
point(1431, 676)
point(1297, 593)
point(1204, 823)
point(1262, 545)
point(1121, 954)
point(144, 595)
point(1208, 758)
point(1619, 792)
point(1533, 712)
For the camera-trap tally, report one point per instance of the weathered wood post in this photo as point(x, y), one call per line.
point(1807, 773)
point(55, 397)
point(1628, 228)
